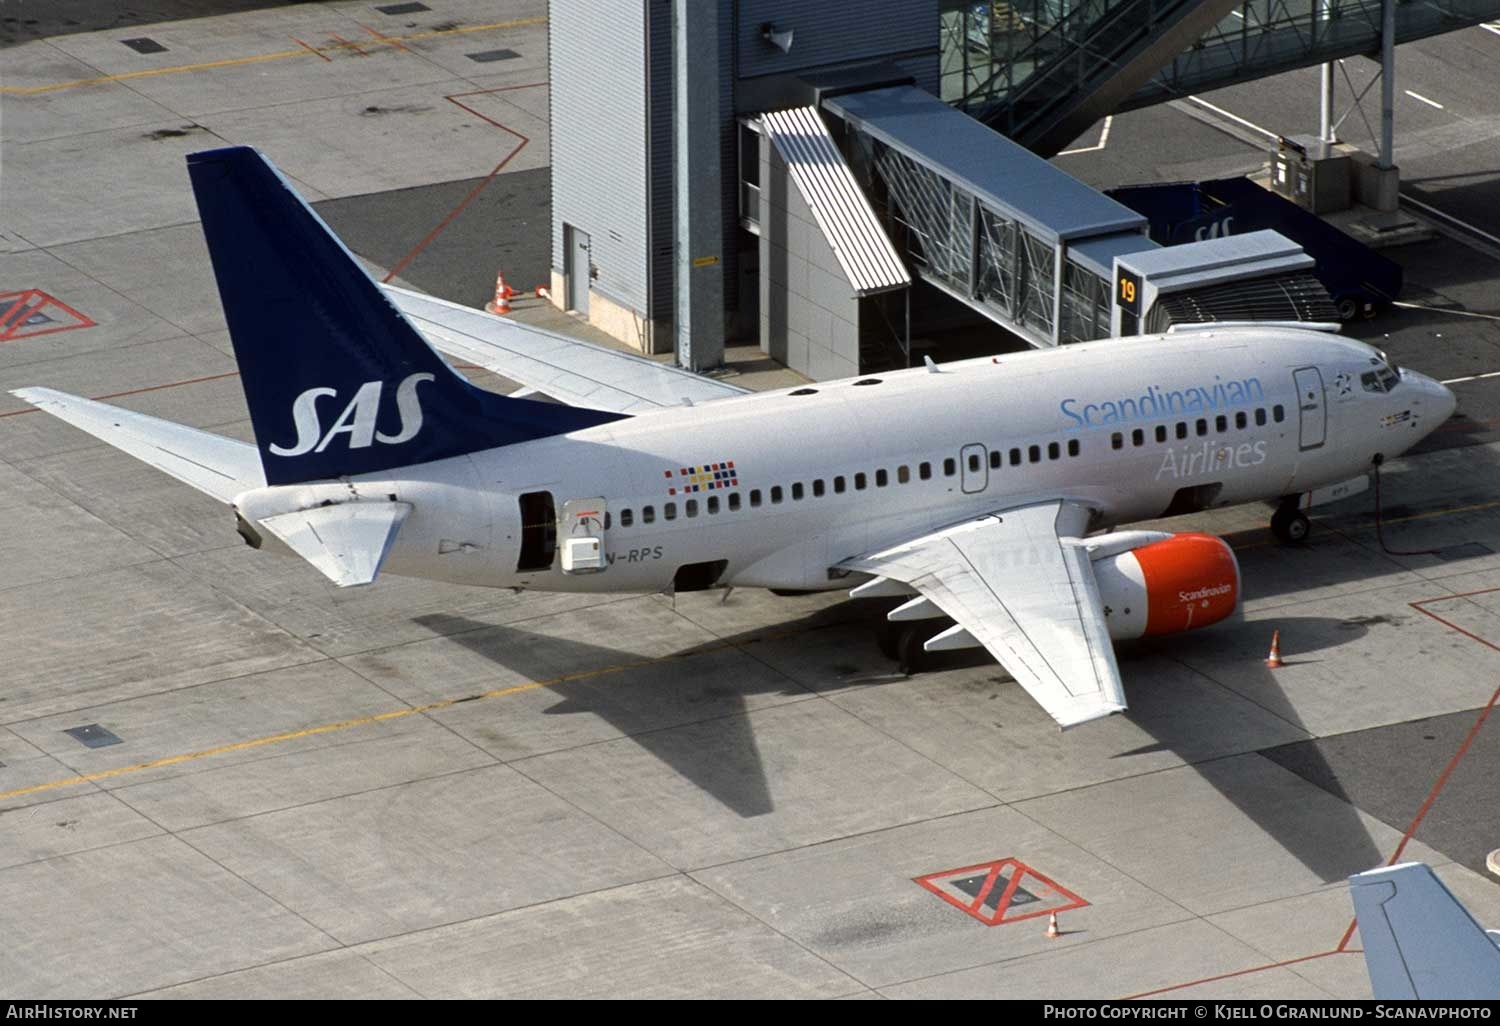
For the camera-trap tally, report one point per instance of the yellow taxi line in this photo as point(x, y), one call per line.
point(303, 51)
point(394, 714)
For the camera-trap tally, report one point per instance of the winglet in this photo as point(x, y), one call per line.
point(1419, 942)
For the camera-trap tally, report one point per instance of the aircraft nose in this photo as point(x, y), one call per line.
point(1444, 402)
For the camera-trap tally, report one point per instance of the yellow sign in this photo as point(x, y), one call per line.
point(707, 261)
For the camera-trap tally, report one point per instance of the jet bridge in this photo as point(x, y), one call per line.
point(1026, 244)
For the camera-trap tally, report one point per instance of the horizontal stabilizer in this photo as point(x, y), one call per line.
point(570, 370)
point(218, 466)
point(347, 542)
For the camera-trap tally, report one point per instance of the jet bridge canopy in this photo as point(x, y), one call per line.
point(984, 219)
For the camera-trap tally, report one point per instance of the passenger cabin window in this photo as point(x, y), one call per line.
point(648, 514)
point(1161, 433)
point(973, 462)
point(1034, 453)
point(796, 491)
point(775, 495)
point(669, 511)
point(1260, 417)
point(924, 471)
point(859, 481)
point(1202, 427)
point(734, 502)
point(881, 478)
point(817, 488)
point(1241, 421)
point(626, 518)
point(838, 485)
point(995, 459)
point(713, 504)
point(1015, 457)
point(949, 467)
point(1221, 423)
point(1054, 450)
point(903, 474)
point(1117, 441)
point(754, 497)
point(1181, 429)
point(1277, 413)
point(1138, 437)
point(1073, 447)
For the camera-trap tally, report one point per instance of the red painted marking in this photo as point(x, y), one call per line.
point(521, 145)
point(350, 45)
point(386, 39)
point(984, 892)
point(1019, 870)
point(30, 302)
point(311, 49)
point(1229, 976)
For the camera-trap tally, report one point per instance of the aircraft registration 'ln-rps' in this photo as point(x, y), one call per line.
point(976, 489)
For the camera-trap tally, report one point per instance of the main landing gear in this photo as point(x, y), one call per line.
point(902, 642)
point(1289, 524)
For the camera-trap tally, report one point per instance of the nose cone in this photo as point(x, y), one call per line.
point(1437, 399)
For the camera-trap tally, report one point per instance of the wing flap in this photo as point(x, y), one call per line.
point(218, 466)
point(1010, 580)
point(347, 542)
point(571, 370)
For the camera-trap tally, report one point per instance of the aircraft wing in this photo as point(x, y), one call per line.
point(570, 370)
point(218, 466)
point(1419, 942)
point(1012, 580)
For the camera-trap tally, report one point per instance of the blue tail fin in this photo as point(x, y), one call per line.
point(337, 380)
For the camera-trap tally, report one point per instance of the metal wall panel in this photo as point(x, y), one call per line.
point(833, 32)
point(599, 132)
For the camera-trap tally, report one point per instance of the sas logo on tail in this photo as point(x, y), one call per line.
point(358, 419)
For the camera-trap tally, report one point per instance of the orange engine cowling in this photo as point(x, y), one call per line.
point(1184, 582)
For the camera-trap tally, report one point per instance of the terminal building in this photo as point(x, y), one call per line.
point(855, 183)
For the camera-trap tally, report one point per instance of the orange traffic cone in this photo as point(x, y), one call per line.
point(1052, 931)
point(1274, 659)
point(503, 292)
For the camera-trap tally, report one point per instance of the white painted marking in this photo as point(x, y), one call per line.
point(1471, 377)
point(1103, 140)
point(1238, 15)
point(1235, 118)
point(1455, 313)
point(1431, 211)
point(1491, 28)
point(1423, 99)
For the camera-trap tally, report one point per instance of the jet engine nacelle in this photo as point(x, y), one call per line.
point(1181, 583)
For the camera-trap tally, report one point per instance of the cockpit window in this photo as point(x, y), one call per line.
point(1384, 377)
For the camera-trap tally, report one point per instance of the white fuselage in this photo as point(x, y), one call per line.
point(1130, 429)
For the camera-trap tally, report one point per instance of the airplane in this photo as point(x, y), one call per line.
point(1420, 944)
point(985, 493)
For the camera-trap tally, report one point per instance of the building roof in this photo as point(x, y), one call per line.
point(1004, 175)
point(869, 260)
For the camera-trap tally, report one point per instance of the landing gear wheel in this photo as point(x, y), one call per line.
point(1290, 525)
point(888, 638)
point(909, 652)
point(1348, 308)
